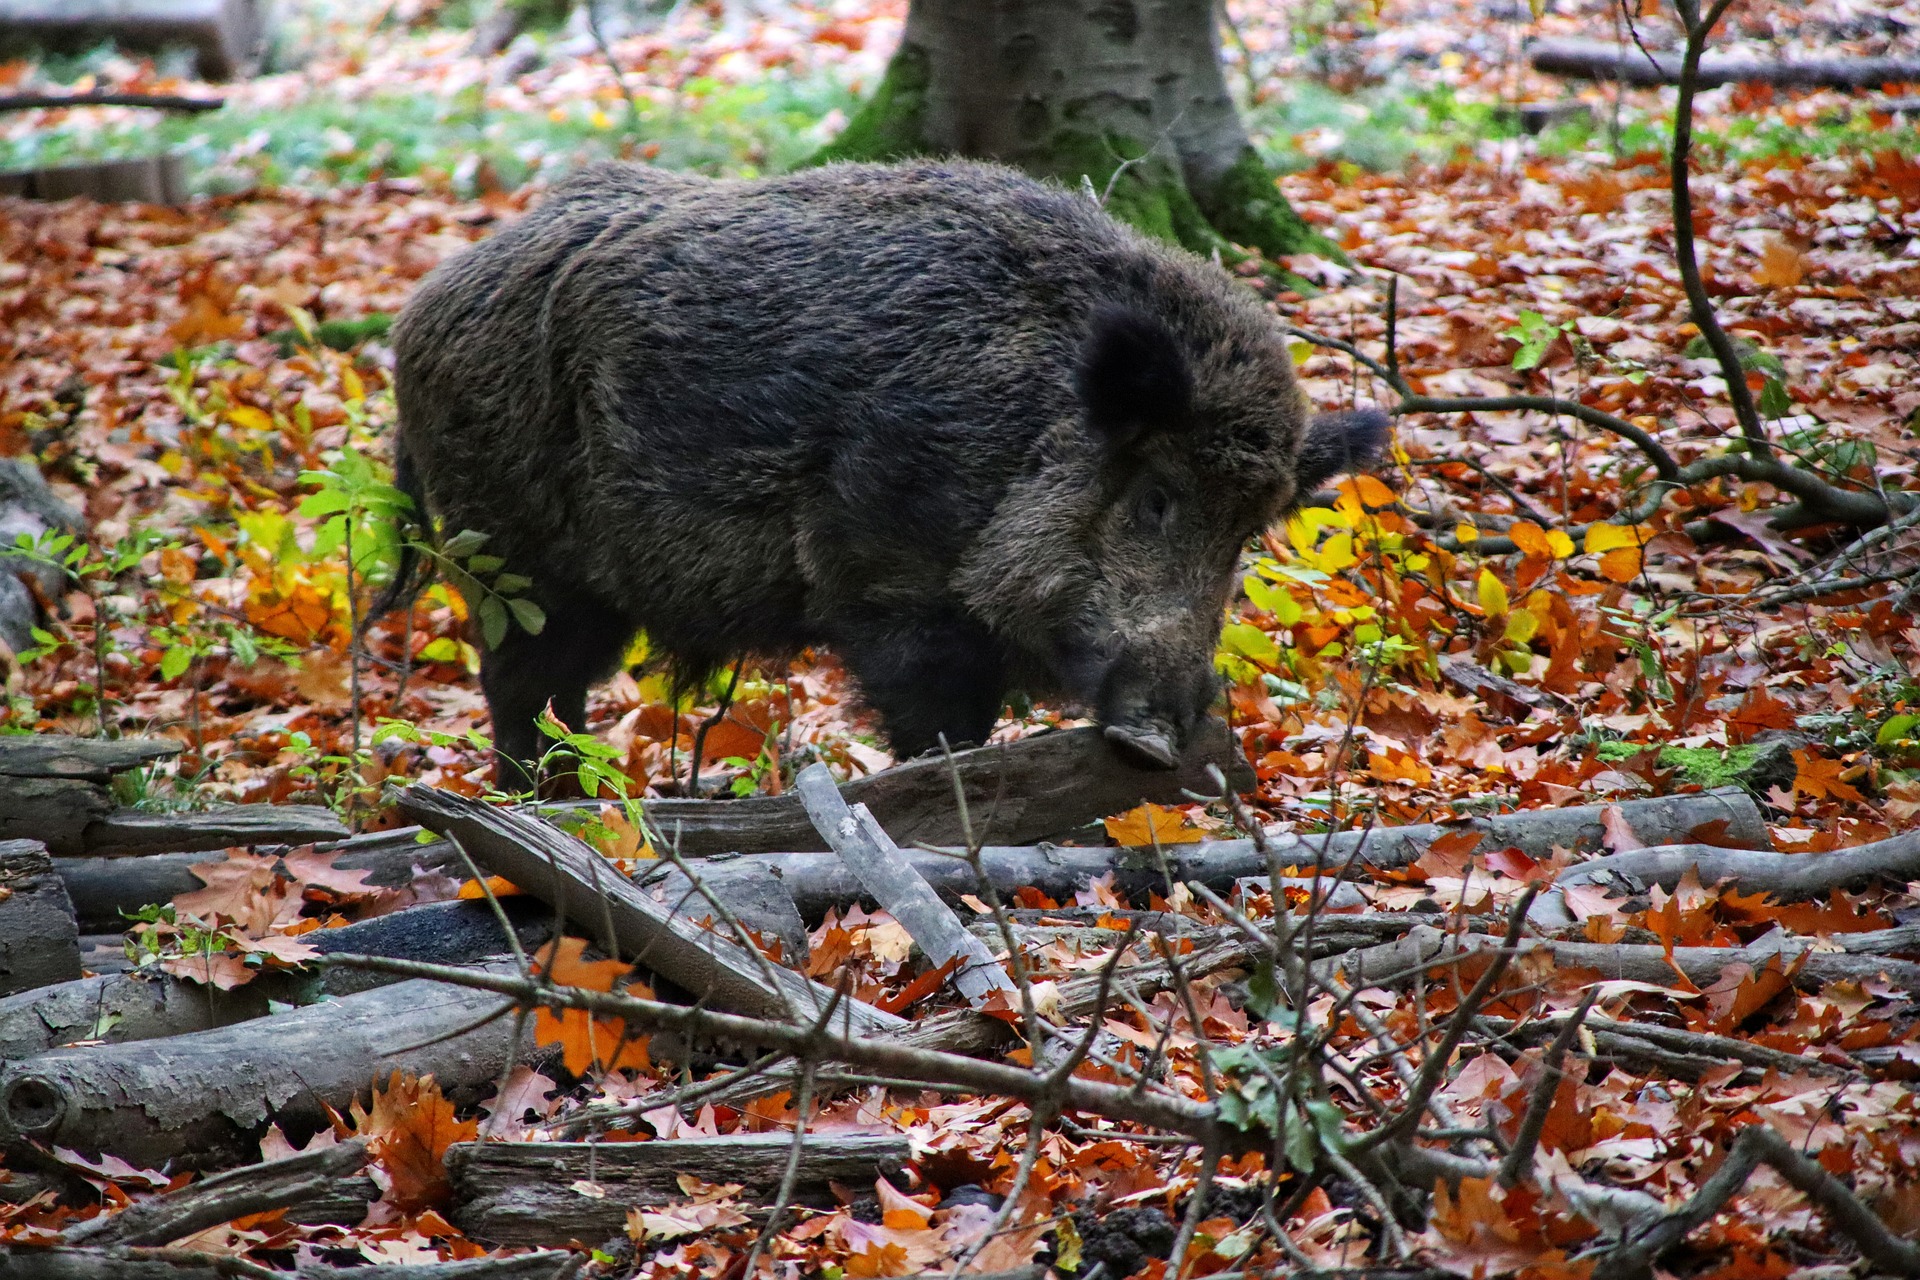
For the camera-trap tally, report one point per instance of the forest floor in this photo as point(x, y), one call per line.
point(191, 378)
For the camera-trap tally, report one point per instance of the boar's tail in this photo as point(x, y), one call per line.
point(408, 577)
point(1337, 443)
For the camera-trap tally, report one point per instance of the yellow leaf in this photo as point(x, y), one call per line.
point(1338, 554)
point(1300, 351)
point(1559, 543)
point(1605, 537)
point(350, 383)
point(1464, 532)
point(1521, 626)
point(1493, 596)
point(1622, 564)
point(245, 415)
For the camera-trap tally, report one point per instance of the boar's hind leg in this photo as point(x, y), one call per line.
point(929, 678)
point(580, 645)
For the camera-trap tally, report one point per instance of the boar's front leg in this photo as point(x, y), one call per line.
point(580, 645)
point(928, 676)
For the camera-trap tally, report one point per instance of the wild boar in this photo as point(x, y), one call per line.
point(958, 425)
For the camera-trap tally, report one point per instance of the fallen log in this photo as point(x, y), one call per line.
point(202, 1100)
point(127, 832)
point(886, 873)
point(527, 1193)
point(119, 1008)
point(39, 941)
point(114, 1264)
point(1785, 876)
point(55, 789)
point(626, 920)
point(1601, 60)
point(817, 881)
point(1425, 946)
point(258, 1188)
point(108, 98)
point(1039, 787)
point(228, 37)
point(105, 890)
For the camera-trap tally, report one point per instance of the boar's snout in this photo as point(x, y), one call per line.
point(1148, 715)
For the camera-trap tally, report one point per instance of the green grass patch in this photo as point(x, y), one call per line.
point(709, 127)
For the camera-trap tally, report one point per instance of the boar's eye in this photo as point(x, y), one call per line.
point(1153, 508)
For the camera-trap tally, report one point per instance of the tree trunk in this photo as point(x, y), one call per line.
point(1124, 97)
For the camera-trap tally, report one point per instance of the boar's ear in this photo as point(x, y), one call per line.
point(1132, 377)
point(1337, 443)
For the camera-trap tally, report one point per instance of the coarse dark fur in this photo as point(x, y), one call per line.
point(956, 424)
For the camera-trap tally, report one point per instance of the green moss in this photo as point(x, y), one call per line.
point(889, 125)
point(1707, 767)
point(341, 335)
point(1246, 208)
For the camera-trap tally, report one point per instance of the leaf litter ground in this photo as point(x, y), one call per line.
point(151, 372)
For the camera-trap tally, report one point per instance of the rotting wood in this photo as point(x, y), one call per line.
point(202, 1100)
point(1601, 60)
point(523, 1193)
point(151, 179)
point(258, 1188)
point(39, 940)
point(121, 1264)
point(120, 1008)
point(626, 920)
point(108, 98)
point(1043, 786)
point(860, 842)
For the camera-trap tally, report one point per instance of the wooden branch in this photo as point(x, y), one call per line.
point(1756, 1145)
point(258, 1188)
point(39, 941)
point(890, 877)
point(1047, 785)
point(172, 1264)
point(107, 98)
point(522, 1193)
point(626, 920)
point(1599, 60)
point(817, 881)
point(1673, 1047)
point(202, 1100)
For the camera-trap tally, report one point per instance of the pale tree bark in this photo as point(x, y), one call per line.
point(1124, 96)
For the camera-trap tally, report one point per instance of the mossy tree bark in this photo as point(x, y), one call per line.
point(1123, 96)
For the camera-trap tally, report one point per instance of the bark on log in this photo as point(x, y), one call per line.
point(876, 860)
point(28, 506)
point(259, 1188)
point(521, 1193)
point(107, 98)
point(121, 1008)
point(817, 881)
point(203, 1100)
point(154, 179)
point(1425, 946)
point(107, 1264)
point(626, 920)
point(1048, 785)
point(228, 37)
point(39, 942)
point(127, 832)
point(1599, 60)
